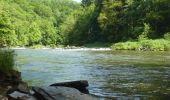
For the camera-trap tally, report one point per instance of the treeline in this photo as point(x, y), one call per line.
point(55, 22)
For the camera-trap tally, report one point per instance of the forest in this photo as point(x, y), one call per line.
point(127, 24)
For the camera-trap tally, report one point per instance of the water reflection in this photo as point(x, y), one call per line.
point(122, 75)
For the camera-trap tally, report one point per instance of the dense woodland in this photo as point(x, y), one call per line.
point(66, 22)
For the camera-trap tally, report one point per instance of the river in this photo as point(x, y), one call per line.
point(124, 75)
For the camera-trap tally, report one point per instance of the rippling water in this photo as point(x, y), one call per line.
point(124, 75)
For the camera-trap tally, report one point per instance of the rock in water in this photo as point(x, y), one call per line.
point(80, 85)
point(60, 93)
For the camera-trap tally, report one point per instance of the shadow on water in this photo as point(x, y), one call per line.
point(124, 75)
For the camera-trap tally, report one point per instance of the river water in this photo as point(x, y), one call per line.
point(124, 75)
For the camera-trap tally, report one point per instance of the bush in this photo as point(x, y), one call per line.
point(37, 47)
point(7, 60)
point(145, 33)
point(167, 36)
point(155, 45)
point(144, 45)
point(125, 46)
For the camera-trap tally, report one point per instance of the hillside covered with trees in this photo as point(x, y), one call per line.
point(32, 22)
point(66, 22)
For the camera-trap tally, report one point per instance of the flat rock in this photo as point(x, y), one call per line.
point(16, 95)
point(60, 93)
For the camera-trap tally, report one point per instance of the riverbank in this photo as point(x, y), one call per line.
point(13, 88)
point(143, 45)
point(140, 45)
point(92, 46)
point(69, 48)
point(9, 80)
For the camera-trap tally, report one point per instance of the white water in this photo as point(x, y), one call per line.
point(70, 49)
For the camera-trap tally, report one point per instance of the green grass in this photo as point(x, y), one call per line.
point(144, 45)
point(7, 62)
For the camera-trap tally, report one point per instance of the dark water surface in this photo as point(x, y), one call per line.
point(124, 75)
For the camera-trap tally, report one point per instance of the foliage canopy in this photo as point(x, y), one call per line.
point(58, 22)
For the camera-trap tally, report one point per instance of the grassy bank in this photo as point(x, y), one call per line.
point(7, 60)
point(144, 45)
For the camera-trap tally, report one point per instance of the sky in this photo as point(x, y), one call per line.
point(78, 0)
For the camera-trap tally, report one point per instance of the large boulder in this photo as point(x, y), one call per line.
point(60, 93)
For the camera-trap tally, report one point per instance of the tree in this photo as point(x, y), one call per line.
point(110, 20)
point(34, 35)
point(7, 33)
point(77, 28)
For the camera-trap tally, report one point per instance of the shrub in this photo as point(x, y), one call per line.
point(154, 45)
point(37, 46)
point(167, 36)
point(125, 46)
point(149, 45)
point(7, 60)
point(147, 31)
